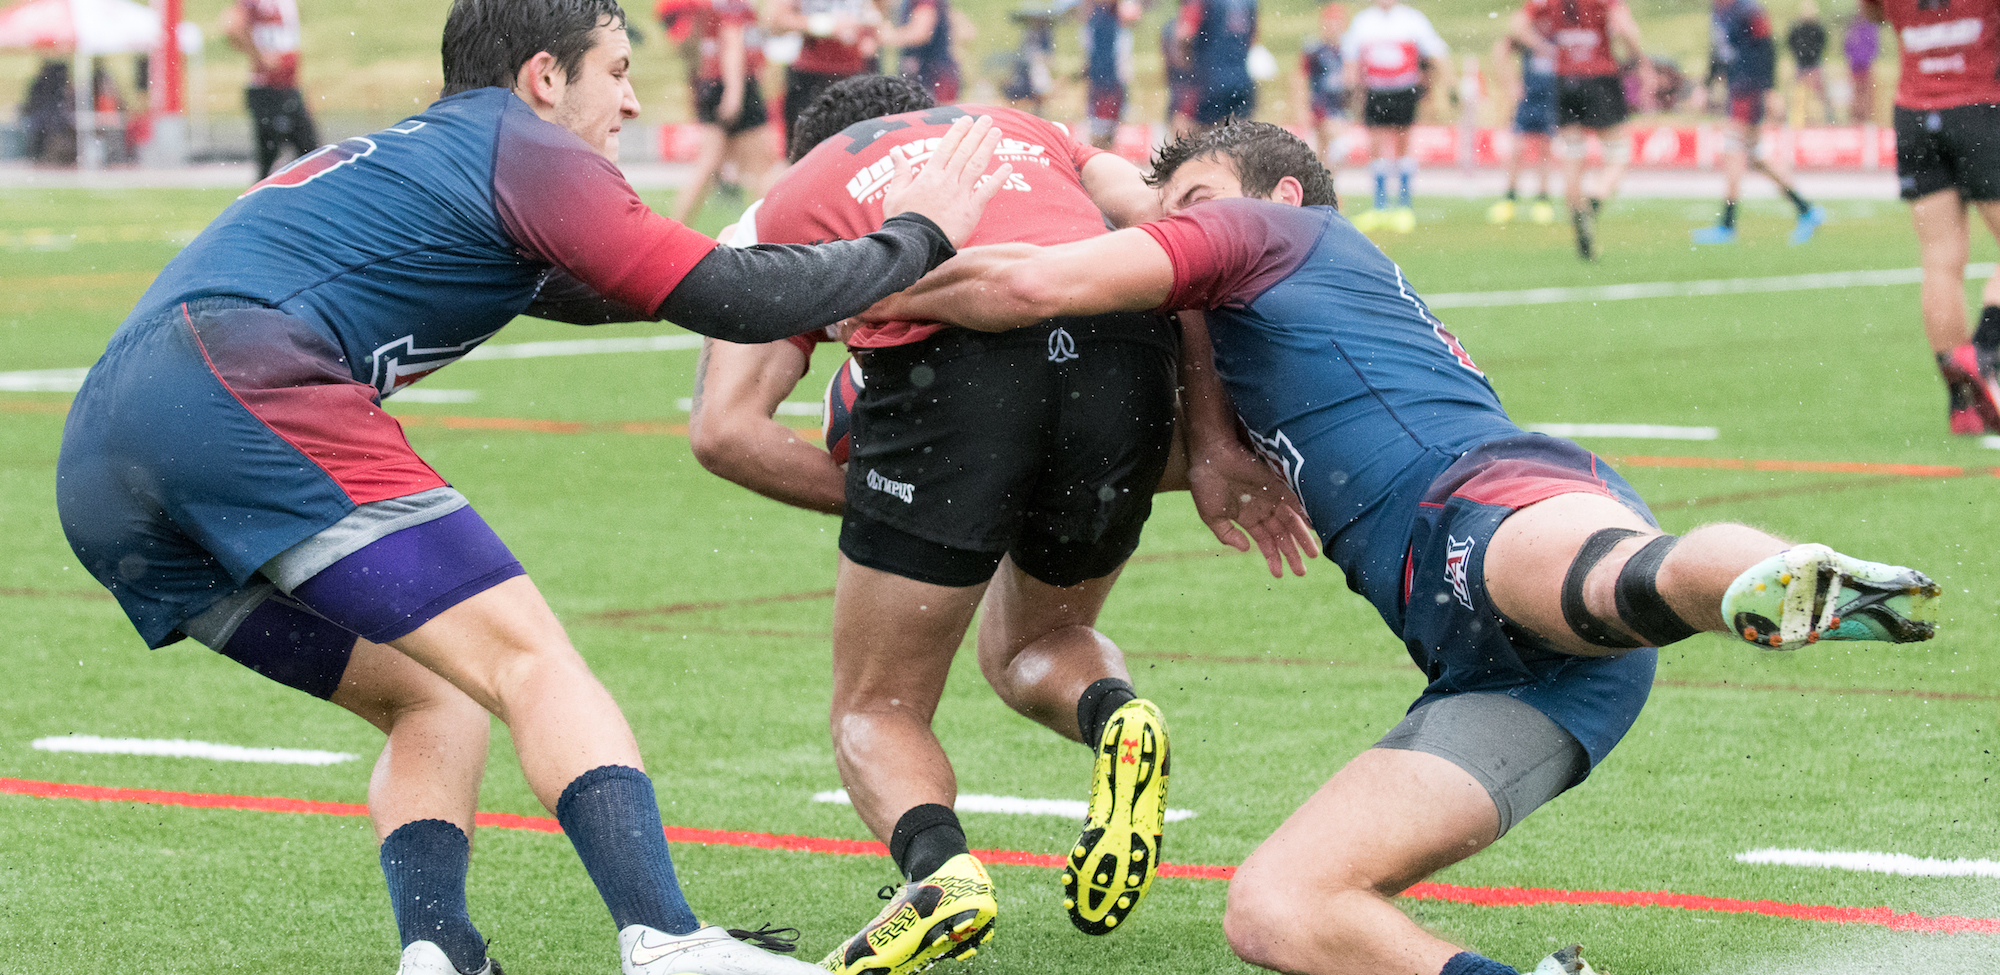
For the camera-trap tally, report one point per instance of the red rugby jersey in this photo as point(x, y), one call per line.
point(835, 192)
point(1581, 30)
point(1951, 52)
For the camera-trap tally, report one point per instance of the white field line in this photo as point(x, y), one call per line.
point(42, 380)
point(1688, 289)
point(1637, 431)
point(1900, 864)
point(1990, 443)
point(419, 394)
point(178, 748)
point(1012, 805)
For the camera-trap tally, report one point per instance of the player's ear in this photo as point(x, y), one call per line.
point(1289, 192)
point(540, 80)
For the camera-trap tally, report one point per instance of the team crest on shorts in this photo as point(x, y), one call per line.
point(1457, 553)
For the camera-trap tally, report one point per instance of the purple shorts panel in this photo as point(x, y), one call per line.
point(404, 580)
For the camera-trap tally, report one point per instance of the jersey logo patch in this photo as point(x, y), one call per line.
point(1278, 452)
point(1457, 553)
point(326, 159)
point(1062, 346)
point(400, 363)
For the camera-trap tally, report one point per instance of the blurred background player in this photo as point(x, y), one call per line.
point(1217, 36)
point(841, 40)
point(268, 31)
point(1393, 55)
point(1107, 65)
point(1860, 44)
point(923, 35)
point(1947, 155)
point(1319, 89)
point(1533, 88)
point(728, 54)
point(1806, 40)
point(1579, 35)
point(1740, 32)
point(1016, 471)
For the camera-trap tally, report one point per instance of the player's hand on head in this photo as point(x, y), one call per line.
point(952, 189)
point(1232, 488)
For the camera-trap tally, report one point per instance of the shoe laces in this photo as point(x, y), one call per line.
point(784, 941)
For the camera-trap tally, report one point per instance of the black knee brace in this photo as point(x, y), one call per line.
point(1579, 617)
point(1640, 606)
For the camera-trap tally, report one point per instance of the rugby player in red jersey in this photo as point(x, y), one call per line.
point(1948, 155)
point(1015, 469)
point(1590, 93)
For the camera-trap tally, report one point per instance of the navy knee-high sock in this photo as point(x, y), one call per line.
point(425, 864)
point(611, 817)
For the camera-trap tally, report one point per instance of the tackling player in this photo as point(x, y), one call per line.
point(227, 470)
point(1947, 155)
point(1526, 578)
point(1015, 469)
point(1391, 52)
point(1590, 94)
point(1740, 31)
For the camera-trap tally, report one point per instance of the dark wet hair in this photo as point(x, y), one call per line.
point(852, 100)
point(1261, 153)
point(487, 41)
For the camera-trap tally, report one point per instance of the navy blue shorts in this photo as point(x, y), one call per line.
point(1450, 625)
point(1536, 114)
point(207, 441)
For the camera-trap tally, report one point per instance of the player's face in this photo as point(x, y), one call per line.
point(1205, 178)
point(596, 102)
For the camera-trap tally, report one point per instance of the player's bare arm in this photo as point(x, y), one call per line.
point(1626, 30)
point(734, 432)
point(1231, 487)
point(1120, 190)
point(1007, 286)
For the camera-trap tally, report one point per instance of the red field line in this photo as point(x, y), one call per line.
point(1479, 896)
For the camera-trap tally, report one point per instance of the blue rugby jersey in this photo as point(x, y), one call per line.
point(1741, 34)
point(1346, 381)
point(410, 246)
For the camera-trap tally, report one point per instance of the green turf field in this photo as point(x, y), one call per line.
point(673, 584)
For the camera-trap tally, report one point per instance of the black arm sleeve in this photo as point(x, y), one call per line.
point(562, 298)
point(774, 291)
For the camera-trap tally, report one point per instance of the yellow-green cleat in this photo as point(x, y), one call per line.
point(948, 914)
point(1112, 864)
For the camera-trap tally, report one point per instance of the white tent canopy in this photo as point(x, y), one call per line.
point(82, 27)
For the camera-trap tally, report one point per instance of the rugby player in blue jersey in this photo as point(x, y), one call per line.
point(1526, 578)
point(228, 472)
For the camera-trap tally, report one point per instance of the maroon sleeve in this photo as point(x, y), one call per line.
point(1227, 252)
point(564, 204)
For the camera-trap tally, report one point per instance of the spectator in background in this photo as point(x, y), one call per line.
point(842, 41)
point(1217, 36)
point(48, 116)
point(1393, 51)
point(1807, 41)
point(1862, 43)
point(1107, 65)
point(727, 54)
point(922, 37)
point(1533, 92)
point(268, 31)
point(1320, 87)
